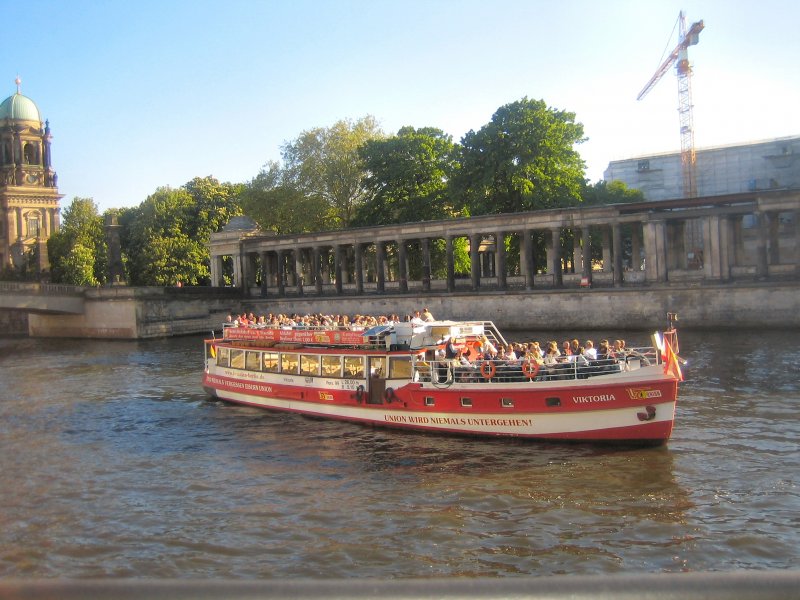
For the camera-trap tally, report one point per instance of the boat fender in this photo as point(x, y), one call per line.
point(649, 415)
point(530, 369)
point(488, 370)
point(359, 393)
point(388, 395)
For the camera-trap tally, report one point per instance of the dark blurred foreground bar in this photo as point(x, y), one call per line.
point(743, 585)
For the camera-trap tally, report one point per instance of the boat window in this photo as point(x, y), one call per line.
point(354, 367)
point(377, 366)
point(253, 361)
point(400, 367)
point(309, 364)
point(429, 401)
point(289, 363)
point(237, 358)
point(332, 366)
point(271, 362)
point(466, 402)
point(223, 356)
point(506, 403)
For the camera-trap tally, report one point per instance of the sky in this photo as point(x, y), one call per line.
point(153, 93)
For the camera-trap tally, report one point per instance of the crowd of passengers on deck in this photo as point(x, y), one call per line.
point(480, 360)
point(524, 361)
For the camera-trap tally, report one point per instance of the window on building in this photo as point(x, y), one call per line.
point(643, 165)
point(33, 225)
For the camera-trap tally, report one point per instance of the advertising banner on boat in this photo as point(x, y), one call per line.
point(303, 336)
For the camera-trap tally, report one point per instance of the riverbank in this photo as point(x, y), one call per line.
point(142, 313)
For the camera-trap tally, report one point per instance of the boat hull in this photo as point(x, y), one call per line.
point(620, 408)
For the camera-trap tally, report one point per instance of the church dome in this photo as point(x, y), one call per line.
point(19, 108)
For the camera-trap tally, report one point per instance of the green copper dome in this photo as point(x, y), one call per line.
point(20, 108)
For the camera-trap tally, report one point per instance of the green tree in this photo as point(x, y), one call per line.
point(324, 163)
point(160, 242)
point(77, 251)
point(407, 177)
point(276, 204)
point(523, 159)
point(610, 192)
point(165, 239)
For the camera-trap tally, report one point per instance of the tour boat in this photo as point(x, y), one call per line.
point(396, 376)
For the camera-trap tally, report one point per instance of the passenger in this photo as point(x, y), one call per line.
point(575, 346)
point(566, 350)
point(427, 316)
point(550, 361)
point(590, 351)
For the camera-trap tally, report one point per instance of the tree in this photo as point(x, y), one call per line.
point(77, 251)
point(523, 159)
point(610, 192)
point(277, 205)
point(324, 163)
point(160, 242)
point(165, 239)
point(407, 177)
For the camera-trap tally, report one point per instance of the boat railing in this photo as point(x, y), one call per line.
point(445, 372)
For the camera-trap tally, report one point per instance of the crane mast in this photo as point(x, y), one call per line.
point(680, 58)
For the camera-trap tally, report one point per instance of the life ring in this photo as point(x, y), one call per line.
point(359, 393)
point(488, 370)
point(530, 369)
point(388, 395)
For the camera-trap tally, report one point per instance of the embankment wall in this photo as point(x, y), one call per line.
point(133, 313)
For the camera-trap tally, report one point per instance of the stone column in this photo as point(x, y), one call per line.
point(316, 274)
point(358, 259)
point(500, 259)
point(636, 246)
point(403, 265)
point(298, 270)
point(475, 261)
point(773, 225)
point(451, 269)
point(337, 267)
point(279, 276)
point(554, 257)
point(577, 252)
point(607, 265)
point(655, 251)
point(19, 224)
point(380, 267)
point(526, 258)
point(586, 272)
point(215, 265)
point(762, 237)
point(237, 269)
point(616, 250)
point(426, 264)
point(264, 274)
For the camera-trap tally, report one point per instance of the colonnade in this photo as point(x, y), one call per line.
point(714, 239)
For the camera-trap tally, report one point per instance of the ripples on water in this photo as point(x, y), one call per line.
point(115, 464)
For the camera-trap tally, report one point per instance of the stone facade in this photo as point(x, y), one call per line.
point(29, 198)
point(766, 165)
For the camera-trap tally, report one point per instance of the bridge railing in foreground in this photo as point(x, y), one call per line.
point(742, 585)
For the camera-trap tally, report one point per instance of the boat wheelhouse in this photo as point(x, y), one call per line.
point(398, 376)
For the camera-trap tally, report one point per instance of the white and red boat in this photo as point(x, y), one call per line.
point(394, 376)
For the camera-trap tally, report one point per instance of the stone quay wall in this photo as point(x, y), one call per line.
point(140, 313)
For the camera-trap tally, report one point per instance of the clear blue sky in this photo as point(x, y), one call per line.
point(156, 92)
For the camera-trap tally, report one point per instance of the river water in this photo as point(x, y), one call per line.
point(113, 463)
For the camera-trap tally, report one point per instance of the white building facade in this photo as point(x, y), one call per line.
point(764, 165)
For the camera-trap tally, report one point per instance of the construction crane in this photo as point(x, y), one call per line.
point(680, 58)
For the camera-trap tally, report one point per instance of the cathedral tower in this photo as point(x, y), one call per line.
point(29, 210)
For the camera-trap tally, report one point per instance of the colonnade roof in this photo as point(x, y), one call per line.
point(577, 217)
